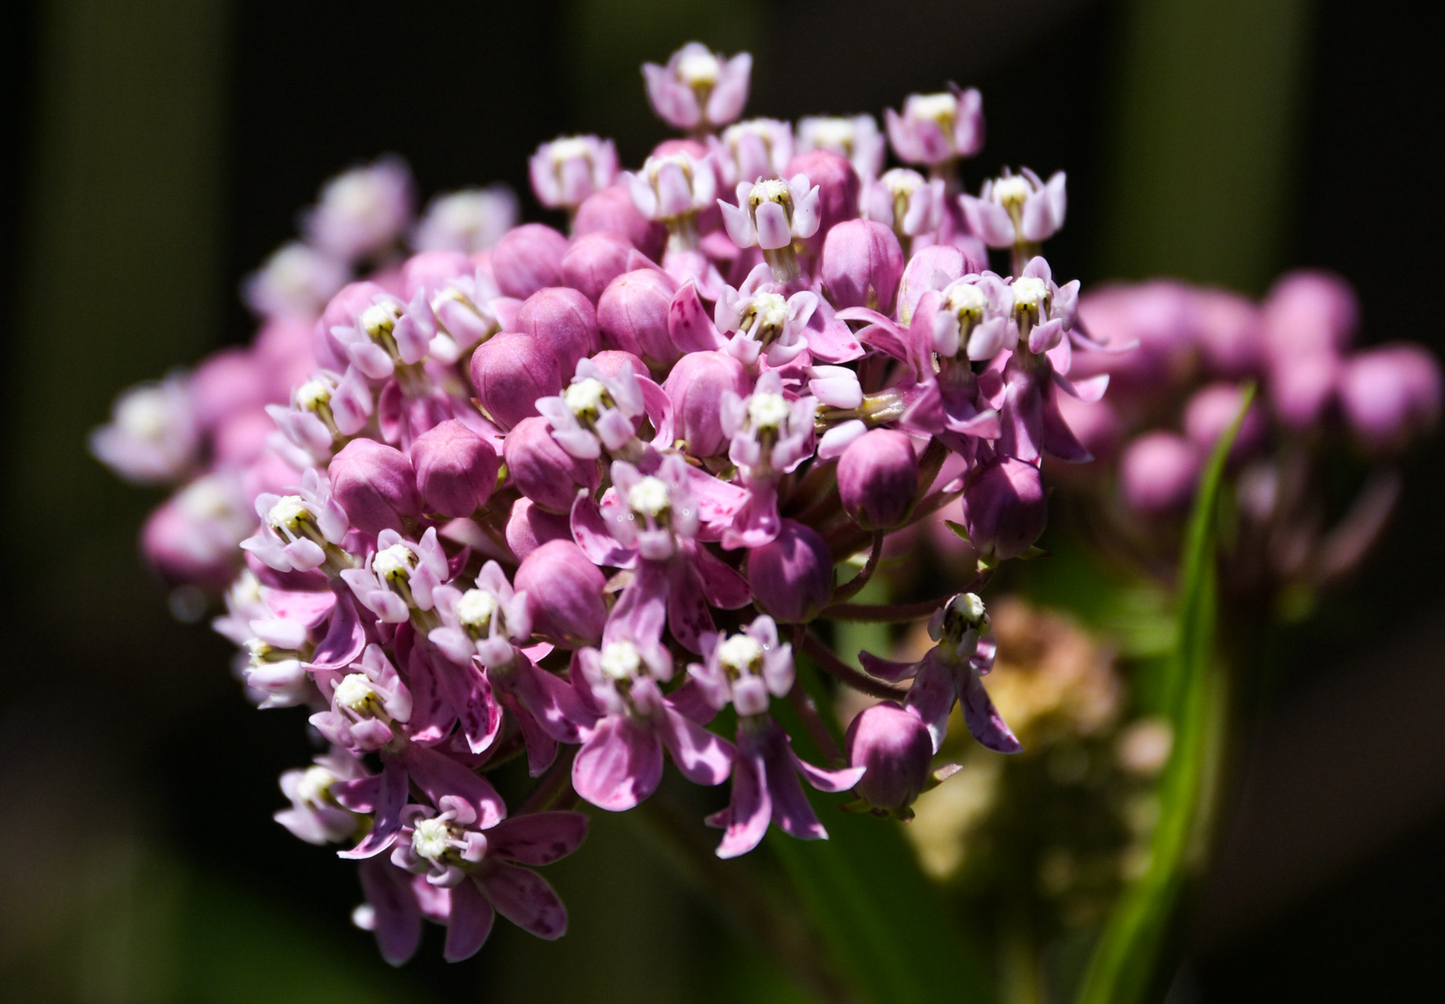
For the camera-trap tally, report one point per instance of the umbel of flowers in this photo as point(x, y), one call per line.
point(568, 496)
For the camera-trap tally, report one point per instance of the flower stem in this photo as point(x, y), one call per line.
point(832, 665)
point(851, 588)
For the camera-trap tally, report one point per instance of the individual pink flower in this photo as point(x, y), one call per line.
point(748, 151)
point(935, 129)
point(325, 411)
point(297, 280)
point(952, 671)
point(399, 576)
point(315, 816)
point(363, 211)
point(192, 537)
point(567, 170)
point(771, 214)
point(595, 412)
point(766, 789)
point(369, 705)
point(153, 436)
point(620, 762)
point(855, 137)
point(299, 532)
point(744, 669)
point(762, 321)
point(1017, 209)
point(771, 435)
point(468, 221)
point(698, 90)
point(672, 189)
point(905, 201)
point(480, 869)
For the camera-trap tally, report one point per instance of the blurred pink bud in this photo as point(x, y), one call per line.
point(1157, 473)
point(862, 265)
point(897, 751)
point(530, 526)
point(1309, 311)
point(696, 387)
point(565, 321)
point(510, 371)
point(792, 576)
point(878, 479)
point(1391, 394)
point(434, 270)
point(1302, 388)
point(375, 484)
point(1004, 507)
point(528, 259)
point(612, 209)
point(564, 594)
point(456, 469)
point(1230, 333)
point(632, 316)
point(1161, 316)
point(1212, 410)
point(542, 470)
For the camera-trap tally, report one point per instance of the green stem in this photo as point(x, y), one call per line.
point(833, 666)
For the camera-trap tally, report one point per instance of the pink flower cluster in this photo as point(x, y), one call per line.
point(569, 497)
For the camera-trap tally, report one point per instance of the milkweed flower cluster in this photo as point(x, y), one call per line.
point(1320, 400)
point(571, 497)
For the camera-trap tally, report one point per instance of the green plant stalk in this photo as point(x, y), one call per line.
point(1126, 960)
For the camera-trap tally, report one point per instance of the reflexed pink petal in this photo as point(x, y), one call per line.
point(469, 923)
point(524, 898)
point(618, 766)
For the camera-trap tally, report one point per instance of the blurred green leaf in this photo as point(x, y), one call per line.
point(1126, 961)
point(887, 929)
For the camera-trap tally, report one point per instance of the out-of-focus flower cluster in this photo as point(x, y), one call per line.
point(1320, 400)
point(577, 497)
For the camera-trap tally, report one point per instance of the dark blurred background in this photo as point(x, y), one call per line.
point(156, 150)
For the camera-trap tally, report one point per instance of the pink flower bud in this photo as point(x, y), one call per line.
point(510, 372)
point(1004, 507)
point(564, 594)
point(878, 479)
point(530, 526)
point(375, 484)
point(898, 752)
point(228, 382)
point(1230, 337)
point(595, 260)
point(862, 265)
point(1306, 312)
point(632, 314)
point(696, 387)
point(542, 470)
point(1158, 472)
point(1212, 410)
point(433, 270)
point(838, 189)
point(563, 320)
point(527, 259)
point(1390, 394)
point(792, 576)
point(612, 209)
point(456, 469)
point(611, 362)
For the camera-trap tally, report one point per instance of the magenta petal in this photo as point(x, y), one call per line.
point(1058, 440)
point(751, 808)
point(739, 225)
point(619, 765)
point(345, 637)
point(438, 775)
point(389, 802)
point(524, 898)
point(983, 719)
point(538, 838)
point(541, 748)
point(887, 669)
point(359, 794)
point(931, 698)
point(554, 705)
point(831, 781)
point(701, 756)
point(688, 614)
point(589, 529)
point(791, 810)
point(722, 586)
point(398, 921)
point(688, 324)
point(469, 923)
